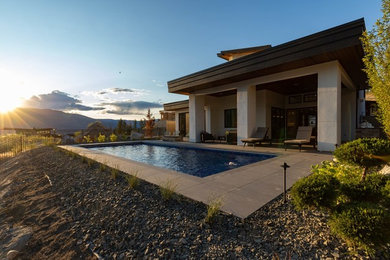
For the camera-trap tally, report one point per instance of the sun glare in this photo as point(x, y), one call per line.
point(8, 102)
point(13, 89)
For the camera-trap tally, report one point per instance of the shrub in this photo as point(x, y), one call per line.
point(362, 224)
point(315, 191)
point(167, 189)
point(340, 171)
point(113, 138)
point(386, 194)
point(133, 179)
point(101, 138)
point(87, 139)
point(369, 190)
point(360, 153)
point(212, 210)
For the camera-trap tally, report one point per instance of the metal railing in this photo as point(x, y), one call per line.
point(13, 144)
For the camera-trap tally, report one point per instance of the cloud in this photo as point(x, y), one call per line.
point(57, 100)
point(159, 83)
point(115, 91)
point(129, 107)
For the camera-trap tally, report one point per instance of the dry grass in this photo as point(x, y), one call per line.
point(213, 209)
point(13, 144)
point(168, 189)
point(133, 179)
point(115, 172)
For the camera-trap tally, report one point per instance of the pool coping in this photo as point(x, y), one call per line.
point(243, 190)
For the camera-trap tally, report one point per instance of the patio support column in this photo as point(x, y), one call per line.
point(329, 107)
point(176, 123)
point(197, 117)
point(208, 118)
point(246, 112)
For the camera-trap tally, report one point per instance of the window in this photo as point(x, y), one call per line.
point(310, 97)
point(231, 118)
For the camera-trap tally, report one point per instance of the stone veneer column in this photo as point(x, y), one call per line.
point(197, 119)
point(329, 107)
point(246, 112)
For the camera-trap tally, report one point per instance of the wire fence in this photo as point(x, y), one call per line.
point(13, 144)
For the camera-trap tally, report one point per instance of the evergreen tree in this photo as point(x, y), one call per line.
point(128, 130)
point(121, 127)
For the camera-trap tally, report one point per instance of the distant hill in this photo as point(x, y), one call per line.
point(47, 118)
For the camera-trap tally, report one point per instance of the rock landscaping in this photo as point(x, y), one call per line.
point(74, 209)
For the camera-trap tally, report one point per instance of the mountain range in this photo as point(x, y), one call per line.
point(47, 118)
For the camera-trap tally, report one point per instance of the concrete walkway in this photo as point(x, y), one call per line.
point(243, 190)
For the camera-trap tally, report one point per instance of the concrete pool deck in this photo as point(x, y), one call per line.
point(243, 190)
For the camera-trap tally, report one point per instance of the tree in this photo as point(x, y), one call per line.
point(142, 123)
point(128, 130)
point(135, 124)
point(149, 124)
point(121, 127)
point(376, 45)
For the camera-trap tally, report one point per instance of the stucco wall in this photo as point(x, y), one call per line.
point(217, 105)
point(348, 114)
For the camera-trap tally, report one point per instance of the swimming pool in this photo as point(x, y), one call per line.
point(195, 161)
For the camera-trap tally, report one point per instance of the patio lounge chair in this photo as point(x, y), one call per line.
point(303, 137)
point(172, 137)
point(204, 136)
point(260, 136)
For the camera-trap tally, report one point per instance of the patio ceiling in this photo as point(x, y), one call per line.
point(340, 43)
point(292, 86)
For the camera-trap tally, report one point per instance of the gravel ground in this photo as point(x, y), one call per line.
point(76, 210)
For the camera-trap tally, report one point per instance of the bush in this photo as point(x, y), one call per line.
point(315, 191)
point(88, 139)
point(369, 190)
point(360, 153)
point(101, 138)
point(362, 224)
point(113, 138)
point(386, 194)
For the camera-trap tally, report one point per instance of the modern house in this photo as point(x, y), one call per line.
point(314, 80)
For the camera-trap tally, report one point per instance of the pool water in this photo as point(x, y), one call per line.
point(199, 162)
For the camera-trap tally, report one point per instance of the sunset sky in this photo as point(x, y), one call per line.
point(112, 59)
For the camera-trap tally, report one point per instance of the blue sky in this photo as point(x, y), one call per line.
point(81, 49)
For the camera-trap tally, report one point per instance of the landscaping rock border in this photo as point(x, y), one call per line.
point(95, 216)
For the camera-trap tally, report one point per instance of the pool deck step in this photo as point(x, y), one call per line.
point(243, 190)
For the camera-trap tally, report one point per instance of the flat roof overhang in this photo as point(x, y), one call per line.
point(340, 43)
point(178, 105)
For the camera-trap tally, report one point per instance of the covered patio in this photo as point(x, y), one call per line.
point(312, 81)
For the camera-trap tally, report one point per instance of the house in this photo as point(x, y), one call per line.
point(369, 124)
point(314, 80)
point(176, 115)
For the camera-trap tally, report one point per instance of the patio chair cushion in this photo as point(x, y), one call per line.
point(252, 140)
point(297, 141)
